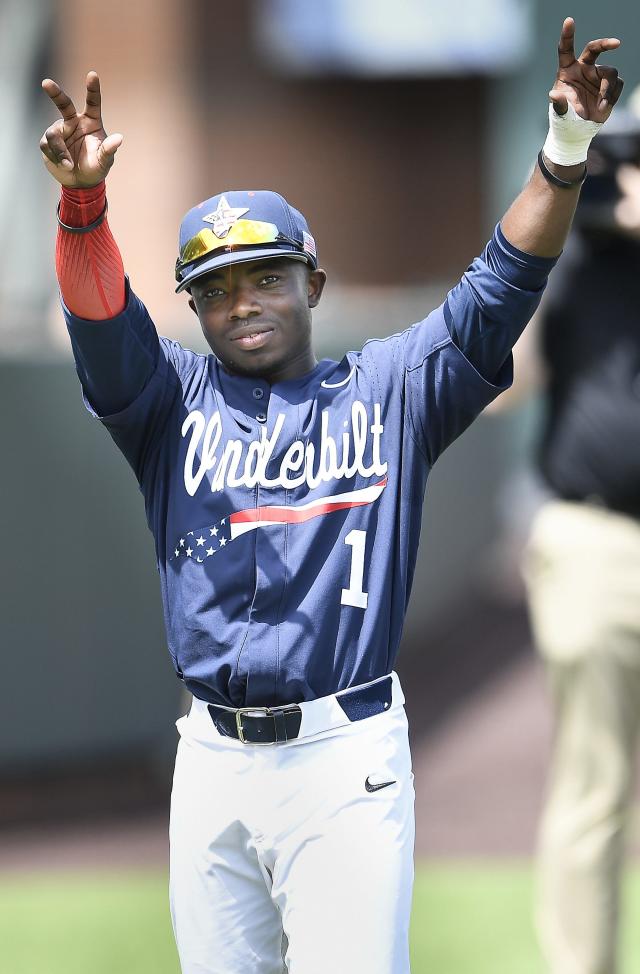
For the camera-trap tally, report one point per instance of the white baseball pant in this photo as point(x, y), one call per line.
point(281, 859)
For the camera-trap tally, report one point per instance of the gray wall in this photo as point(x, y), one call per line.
point(85, 670)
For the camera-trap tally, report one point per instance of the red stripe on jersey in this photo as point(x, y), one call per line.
point(298, 515)
point(283, 515)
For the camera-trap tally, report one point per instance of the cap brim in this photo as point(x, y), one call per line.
point(237, 257)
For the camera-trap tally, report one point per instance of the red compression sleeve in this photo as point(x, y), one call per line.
point(88, 265)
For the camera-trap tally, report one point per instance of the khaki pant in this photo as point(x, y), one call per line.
point(582, 569)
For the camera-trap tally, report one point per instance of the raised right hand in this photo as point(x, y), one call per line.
point(76, 149)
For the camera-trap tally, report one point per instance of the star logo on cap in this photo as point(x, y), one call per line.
point(224, 217)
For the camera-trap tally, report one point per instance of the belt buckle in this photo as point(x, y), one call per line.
point(259, 712)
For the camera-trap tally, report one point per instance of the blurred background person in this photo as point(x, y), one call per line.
point(582, 562)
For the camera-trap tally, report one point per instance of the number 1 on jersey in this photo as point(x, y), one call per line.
point(354, 594)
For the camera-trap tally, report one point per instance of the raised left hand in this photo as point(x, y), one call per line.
point(593, 89)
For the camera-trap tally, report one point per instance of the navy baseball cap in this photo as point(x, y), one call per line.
point(238, 226)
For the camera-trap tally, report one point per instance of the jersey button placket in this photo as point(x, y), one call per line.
point(262, 648)
point(258, 394)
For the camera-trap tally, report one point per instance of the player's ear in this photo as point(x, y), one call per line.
point(192, 305)
point(315, 286)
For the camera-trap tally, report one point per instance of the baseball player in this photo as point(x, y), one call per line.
point(284, 496)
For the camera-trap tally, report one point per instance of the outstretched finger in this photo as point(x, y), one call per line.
point(60, 99)
point(595, 48)
point(566, 52)
point(93, 101)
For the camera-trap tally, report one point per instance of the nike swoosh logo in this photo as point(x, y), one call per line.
point(336, 385)
point(371, 787)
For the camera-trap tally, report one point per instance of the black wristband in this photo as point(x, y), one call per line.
point(92, 226)
point(555, 180)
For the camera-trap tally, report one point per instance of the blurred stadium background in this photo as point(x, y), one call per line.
point(402, 131)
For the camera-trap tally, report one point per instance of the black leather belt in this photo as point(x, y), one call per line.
point(258, 725)
point(276, 725)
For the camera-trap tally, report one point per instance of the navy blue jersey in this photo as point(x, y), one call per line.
point(286, 518)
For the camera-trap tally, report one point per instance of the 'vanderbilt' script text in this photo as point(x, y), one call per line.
point(234, 463)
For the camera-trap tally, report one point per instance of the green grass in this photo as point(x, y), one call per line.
point(83, 923)
point(476, 919)
point(473, 918)
point(468, 919)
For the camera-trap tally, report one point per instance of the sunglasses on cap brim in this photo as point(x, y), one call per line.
point(243, 233)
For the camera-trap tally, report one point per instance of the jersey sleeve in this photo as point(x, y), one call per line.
point(88, 261)
point(130, 377)
point(452, 364)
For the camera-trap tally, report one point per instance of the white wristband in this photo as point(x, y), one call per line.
point(569, 137)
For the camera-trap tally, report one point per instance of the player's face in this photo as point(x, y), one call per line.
point(256, 316)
